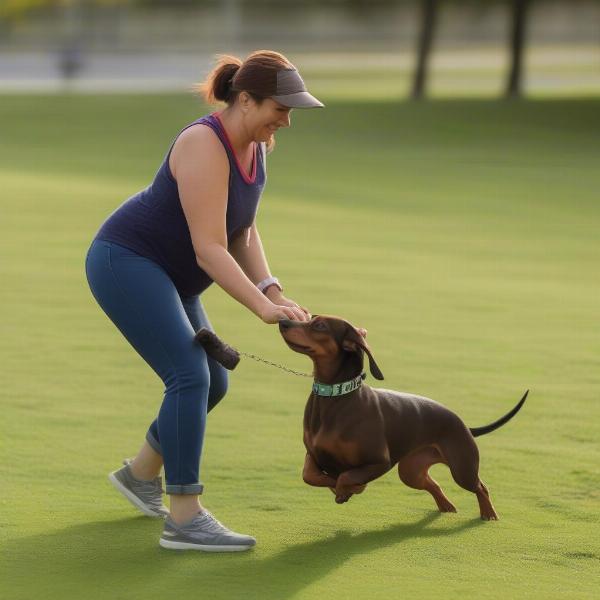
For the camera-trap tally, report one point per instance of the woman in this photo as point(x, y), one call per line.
point(155, 255)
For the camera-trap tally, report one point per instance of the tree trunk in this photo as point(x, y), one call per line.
point(428, 19)
point(517, 41)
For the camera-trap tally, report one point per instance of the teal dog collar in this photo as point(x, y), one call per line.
point(338, 389)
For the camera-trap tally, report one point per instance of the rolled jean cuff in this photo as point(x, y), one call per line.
point(152, 441)
point(188, 488)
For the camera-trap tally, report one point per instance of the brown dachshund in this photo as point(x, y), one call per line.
point(354, 433)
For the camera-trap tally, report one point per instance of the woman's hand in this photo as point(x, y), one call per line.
point(283, 308)
point(275, 313)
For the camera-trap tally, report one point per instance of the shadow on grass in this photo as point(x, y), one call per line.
point(122, 559)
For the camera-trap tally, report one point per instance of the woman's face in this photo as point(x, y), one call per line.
point(264, 119)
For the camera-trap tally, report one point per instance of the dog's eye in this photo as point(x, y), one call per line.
point(320, 326)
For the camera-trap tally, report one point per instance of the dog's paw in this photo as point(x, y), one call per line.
point(446, 506)
point(341, 498)
point(490, 517)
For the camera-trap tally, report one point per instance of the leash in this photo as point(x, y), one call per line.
point(229, 357)
point(268, 362)
point(321, 389)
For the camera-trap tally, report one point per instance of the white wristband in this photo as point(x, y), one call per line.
point(262, 285)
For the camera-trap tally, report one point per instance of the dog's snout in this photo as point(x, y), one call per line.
point(284, 324)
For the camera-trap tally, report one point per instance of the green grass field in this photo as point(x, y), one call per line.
point(464, 235)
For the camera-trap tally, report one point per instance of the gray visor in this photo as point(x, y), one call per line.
point(291, 91)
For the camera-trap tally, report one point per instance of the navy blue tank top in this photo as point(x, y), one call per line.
point(152, 222)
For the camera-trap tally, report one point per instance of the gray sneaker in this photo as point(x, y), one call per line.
point(145, 495)
point(205, 533)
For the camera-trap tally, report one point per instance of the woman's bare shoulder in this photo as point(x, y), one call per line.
point(198, 136)
point(197, 140)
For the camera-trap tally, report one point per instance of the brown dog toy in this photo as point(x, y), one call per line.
point(215, 348)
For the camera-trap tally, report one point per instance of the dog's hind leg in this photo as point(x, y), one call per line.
point(462, 456)
point(413, 471)
point(486, 508)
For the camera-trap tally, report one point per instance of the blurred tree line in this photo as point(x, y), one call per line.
point(430, 13)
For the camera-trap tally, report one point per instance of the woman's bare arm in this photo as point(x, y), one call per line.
point(201, 169)
point(251, 257)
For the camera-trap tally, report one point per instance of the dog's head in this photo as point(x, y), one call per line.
point(326, 336)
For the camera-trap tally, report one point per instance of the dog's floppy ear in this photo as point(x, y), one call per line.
point(352, 341)
point(215, 348)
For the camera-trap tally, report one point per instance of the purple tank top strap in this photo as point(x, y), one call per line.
point(214, 122)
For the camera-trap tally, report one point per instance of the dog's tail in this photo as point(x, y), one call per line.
point(476, 431)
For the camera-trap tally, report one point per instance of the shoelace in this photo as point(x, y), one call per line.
point(212, 524)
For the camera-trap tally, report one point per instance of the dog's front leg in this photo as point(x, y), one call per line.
point(354, 481)
point(313, 475)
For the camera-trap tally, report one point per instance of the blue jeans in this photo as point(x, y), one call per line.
point(141, 300)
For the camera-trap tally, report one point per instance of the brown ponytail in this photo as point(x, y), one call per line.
point(217, 85)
